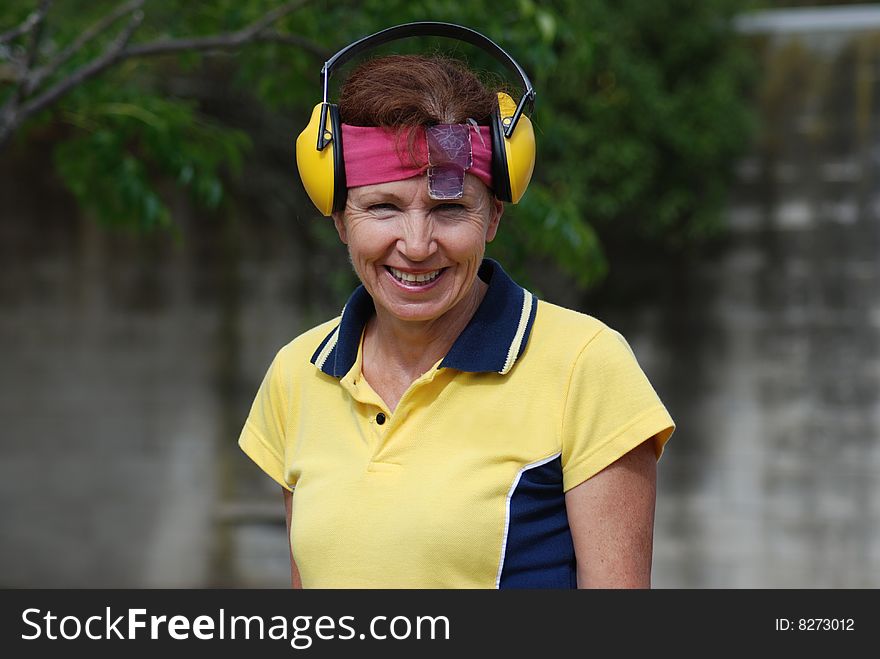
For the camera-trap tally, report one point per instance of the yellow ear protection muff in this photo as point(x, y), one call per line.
point(319, 147)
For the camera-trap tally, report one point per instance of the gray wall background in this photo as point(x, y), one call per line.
point(127, 366)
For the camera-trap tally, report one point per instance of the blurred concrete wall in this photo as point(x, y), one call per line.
point(127, 367)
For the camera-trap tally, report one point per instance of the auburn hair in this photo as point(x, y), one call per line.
point(399, 91)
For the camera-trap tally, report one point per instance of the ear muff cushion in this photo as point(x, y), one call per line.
point(515, 156)
point(322, 172)
point(340, 186)
point(500, 178)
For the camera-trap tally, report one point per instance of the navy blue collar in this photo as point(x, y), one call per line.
point(490, 343)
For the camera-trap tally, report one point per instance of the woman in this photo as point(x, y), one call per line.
point(449, 430)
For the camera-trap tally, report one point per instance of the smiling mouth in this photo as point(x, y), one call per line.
point(413, 279)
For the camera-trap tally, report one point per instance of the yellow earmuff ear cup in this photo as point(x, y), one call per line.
point(317, 168)
point(519, 147)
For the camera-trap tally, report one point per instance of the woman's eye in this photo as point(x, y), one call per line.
point(382, 208)
point(449, 208)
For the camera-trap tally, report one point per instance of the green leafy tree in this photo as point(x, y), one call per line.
point(641, 106)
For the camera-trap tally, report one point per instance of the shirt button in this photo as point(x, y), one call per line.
point(380, 418)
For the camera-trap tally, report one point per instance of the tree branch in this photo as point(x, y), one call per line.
point(11, 108)
point(34, 18)
point(96, 30)
point(12, 115)
point(218, 41)
point(107, 59)
point(273, 36)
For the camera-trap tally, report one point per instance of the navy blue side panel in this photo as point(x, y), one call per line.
point(539, 551)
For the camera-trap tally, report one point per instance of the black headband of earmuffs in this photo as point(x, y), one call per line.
point(428, 29)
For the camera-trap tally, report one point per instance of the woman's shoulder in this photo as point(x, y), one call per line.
point(568, 333)
point(567, 324)
point(302, 347)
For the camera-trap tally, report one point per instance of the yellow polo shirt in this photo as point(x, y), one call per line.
point(463, 486)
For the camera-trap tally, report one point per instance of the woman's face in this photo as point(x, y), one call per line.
point(417, 257)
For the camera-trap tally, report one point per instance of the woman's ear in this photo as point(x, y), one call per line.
point(495, 219)
point(339, 223)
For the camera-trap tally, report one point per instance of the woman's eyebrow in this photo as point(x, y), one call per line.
point(376, 197)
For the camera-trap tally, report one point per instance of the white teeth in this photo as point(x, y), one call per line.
point(409, 278)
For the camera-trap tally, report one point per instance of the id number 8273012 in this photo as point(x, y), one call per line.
point(815, 624)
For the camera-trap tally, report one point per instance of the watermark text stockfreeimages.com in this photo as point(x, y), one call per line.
point(300, 631)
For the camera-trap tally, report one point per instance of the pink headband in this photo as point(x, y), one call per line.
point(378, 155)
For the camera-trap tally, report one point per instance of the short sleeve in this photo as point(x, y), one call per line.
point(611, 408)
point(263, 437)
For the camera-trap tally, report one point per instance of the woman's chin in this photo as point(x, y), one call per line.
point(415, 312)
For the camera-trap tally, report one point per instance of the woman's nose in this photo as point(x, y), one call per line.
point(417, 242)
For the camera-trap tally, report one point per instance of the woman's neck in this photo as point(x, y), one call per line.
point(404, 350)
